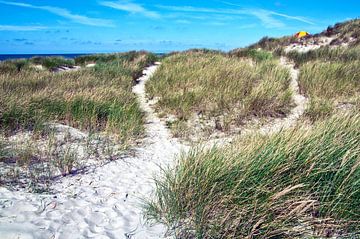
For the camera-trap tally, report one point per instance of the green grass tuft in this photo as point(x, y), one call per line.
point(298, 182)
point(329, 84)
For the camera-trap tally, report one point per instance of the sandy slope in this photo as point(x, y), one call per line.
point(101, 204)
point(309, 45)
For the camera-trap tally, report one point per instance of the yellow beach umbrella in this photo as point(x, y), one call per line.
point(302, 34)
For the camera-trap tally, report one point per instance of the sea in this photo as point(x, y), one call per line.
point(4, 57)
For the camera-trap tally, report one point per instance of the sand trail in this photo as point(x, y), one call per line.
point(105, 203)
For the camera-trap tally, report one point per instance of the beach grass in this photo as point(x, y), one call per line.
point(96, 99)
point(52, 62)
point(271, 44)
point(213, 84)
point(49, 63)
point(4, 151)
point(300, 183)
point(255, 54)
point(105, 58)
point(338, 54)
point(330, 84)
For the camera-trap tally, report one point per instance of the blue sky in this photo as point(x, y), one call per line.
point(87, 26)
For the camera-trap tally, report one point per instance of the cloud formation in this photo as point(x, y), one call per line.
point(265, 16)
point(130, 7)
point(65, 14)
point(270, 13)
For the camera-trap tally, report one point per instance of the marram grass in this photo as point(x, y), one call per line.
point(95, 99)
point(338, 54)
point(296, 183)
point(214, 84)
point(330, 84)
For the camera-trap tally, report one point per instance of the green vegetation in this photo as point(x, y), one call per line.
point(4, 151)
point(343, 54)
point(255, 54)
point(213, 84)
point(345, 31)
point(93, 99)
point(299, 182)
point(105, 58)
point(98, 100)
point(270, 44)
point(330, 84)
point(14, 66)
point(52, 62)
point(330, 77)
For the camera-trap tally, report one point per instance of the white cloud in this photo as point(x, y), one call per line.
point(21, 28)
point(301, 19)
point(265, 16)
point(65, 14)
point(130, 7)
point(269, 13)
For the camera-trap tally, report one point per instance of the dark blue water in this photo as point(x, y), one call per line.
point(4, 57)
point(27, 56)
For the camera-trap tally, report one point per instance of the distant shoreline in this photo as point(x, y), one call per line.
point(4, 57)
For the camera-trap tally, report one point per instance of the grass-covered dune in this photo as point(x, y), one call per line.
point(14, 66)
point(213, 84)
point(94, 99)
point(330, 77)
point(104, 58)
point(343, 54)
point(330, 85)
point(344, 32)
point(296, 183)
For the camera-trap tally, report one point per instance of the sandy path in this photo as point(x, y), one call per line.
point(101, 204)
point(299, 100)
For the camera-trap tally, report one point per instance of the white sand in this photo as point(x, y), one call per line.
point(309, 46)
point(90, 65)
point(102, 204)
